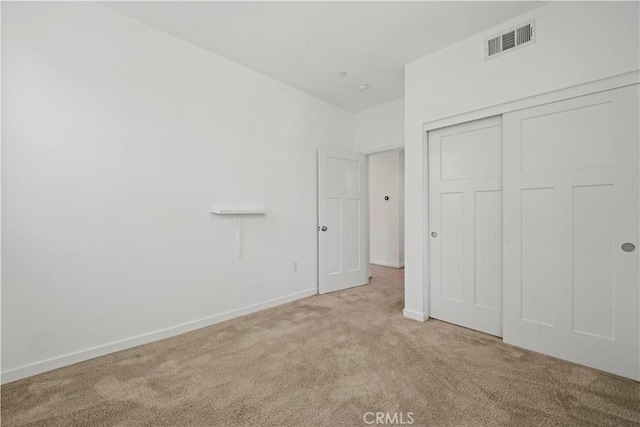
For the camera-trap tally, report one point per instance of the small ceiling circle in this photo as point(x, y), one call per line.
point(343, 74)
point(362, 87)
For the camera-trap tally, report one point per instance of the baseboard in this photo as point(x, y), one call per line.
point(90, 353)
point(386, 264)
point(414, 315)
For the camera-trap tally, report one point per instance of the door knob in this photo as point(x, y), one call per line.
point(434, 234)
point(324, 228)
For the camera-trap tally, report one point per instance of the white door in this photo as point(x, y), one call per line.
point(342, 216)
point(465, 221)
point(570, 223)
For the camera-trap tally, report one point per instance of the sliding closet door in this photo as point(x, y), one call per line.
point(465, 215)
point(571, 230)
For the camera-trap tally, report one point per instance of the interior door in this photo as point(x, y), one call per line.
point(342, 220)
point(465, 221)
point(570, 230)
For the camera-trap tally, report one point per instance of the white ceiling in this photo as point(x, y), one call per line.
point(307, 44)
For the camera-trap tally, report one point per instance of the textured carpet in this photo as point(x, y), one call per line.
point(325, 361)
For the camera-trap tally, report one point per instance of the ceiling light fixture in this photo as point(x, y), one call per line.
point(362, 87)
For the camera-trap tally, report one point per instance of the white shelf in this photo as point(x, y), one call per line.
point(239, 211)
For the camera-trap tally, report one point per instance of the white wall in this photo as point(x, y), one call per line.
point(576, 42)
point(118, 139)
point(386, 178)
point(379, 128)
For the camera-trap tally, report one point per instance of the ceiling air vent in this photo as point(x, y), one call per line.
point(520, 36)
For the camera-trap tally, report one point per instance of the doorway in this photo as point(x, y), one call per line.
point(386, 208)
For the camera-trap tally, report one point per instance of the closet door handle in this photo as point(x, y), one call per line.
point(628, 247)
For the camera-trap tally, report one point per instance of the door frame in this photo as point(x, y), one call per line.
point(600, 85)
point(367, 154)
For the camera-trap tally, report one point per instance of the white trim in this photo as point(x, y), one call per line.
point(382, 150)
point(426, 255)
point(600, 85)
point(387, 264)
point(414, 315)
point(367, 248)
point(101, 350)
point(620, 80)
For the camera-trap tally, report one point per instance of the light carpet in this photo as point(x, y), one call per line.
point(325, 361)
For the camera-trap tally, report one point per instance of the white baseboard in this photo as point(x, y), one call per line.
point(387, 264)
point(90, 353)
point(414, 315)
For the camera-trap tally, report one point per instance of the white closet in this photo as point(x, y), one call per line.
point(568, 223)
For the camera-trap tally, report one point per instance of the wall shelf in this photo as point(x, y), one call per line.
point(239, 211)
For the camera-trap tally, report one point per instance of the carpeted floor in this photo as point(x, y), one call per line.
point(325, 361)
